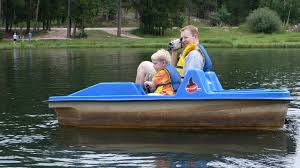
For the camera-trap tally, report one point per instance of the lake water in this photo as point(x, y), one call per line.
point(31, 137)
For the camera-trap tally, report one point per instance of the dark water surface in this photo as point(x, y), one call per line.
point(31, 137)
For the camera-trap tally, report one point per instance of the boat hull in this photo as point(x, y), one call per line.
point(179, 114)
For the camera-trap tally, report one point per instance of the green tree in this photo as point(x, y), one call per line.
point(221, 17)
point(12, 9)
point(203, 8)
point(107, 8)
point(240, 9)
point(82, 11)
point(158, 15)
point(263, 20)
point(235, 12)
point(288, 10)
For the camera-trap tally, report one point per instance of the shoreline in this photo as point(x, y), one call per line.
point(210, 37)
point(129, 43)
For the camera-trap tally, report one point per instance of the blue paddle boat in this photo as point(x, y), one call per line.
point(200, 103)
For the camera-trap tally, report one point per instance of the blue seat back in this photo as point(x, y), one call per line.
point(207, 83)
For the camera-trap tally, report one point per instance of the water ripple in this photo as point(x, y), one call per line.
point(263, 162)
point(20, 139)
point(96, 160)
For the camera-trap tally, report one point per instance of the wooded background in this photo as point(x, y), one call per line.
point(154, 16)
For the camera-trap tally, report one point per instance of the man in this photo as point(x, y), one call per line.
point(190, 57)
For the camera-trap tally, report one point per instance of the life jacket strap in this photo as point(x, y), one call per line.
point(165, 84)
point(169, 83)
point(202, 54)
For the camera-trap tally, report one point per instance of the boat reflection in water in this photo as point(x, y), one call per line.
point(166, 148)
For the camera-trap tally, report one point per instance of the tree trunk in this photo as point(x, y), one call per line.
point(6, 25)
point(189, 11)
point(119, 18)
point(288, 19)
point(106, 17)
point(136, 14)
point(28, 19)
point(36, 15)
point(69, 20)
point(0, 8)
point(48, 24)
point(74, 29)
point(28, 25)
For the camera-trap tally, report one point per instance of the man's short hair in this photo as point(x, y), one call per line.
point(192, 29)
point(162, 55)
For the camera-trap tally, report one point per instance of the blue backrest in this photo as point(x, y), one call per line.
point(207, 83)
point(213, 81)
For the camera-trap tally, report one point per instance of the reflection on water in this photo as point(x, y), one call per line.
point(31, 137)
point(206, 142)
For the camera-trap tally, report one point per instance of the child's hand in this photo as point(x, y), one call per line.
point(148, 84)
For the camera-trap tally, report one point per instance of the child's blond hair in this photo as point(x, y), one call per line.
point(162, 55)
point(192, 29)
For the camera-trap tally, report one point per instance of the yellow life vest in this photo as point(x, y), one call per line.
point(190, 47)
point(158, 89)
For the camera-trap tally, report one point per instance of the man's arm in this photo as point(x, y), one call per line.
point(174, 58)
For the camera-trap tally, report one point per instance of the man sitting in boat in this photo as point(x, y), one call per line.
point(166, 79)
point(191, 57)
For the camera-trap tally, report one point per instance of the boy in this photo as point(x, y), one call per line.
point(166, 80)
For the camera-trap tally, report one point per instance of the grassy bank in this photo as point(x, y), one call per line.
point(210, 37)
point(238, 38)
point(84, 43)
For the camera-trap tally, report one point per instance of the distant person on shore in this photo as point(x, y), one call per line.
point(166, 79)
point(15, 37)
point(29, 36)
point(191, 57)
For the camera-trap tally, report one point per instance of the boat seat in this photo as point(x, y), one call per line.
point(111, 88)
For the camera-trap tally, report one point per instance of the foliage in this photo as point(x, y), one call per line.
point(203, 8)
point(82, 34)
point(288, 10)
point(158, 15)
point(1, 35)
point(239, 9)
point(263, 20)
point(107, 8)
point(18, 12)
point(155, 16)
point(221, 17)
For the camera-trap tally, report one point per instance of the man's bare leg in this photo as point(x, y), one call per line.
point(145, 72)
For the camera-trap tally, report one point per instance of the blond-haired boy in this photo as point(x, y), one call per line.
point(166, 80)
